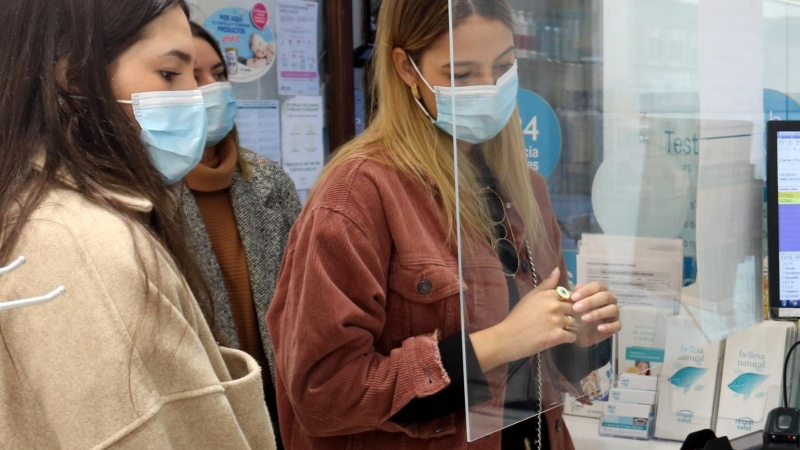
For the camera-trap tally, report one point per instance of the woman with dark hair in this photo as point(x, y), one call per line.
point(99, 112)
point(239, 209)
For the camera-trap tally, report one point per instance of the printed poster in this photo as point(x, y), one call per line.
point(302, 140)
point(297, 48)
point(246, 41)
point(259, 127)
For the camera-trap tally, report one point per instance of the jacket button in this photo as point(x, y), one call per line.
point(424, 287)
point(558, 425)
point(526, 267)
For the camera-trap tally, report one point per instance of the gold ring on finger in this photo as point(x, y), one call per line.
point(572, 324)
point(563, 293)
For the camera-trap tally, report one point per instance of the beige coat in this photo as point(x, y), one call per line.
point(124, 360)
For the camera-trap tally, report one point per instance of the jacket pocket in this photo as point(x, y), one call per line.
point(424, 283)
point(245, 393)
point(426, 296)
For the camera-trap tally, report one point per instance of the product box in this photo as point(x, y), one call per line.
point(596, 387)
point(687, 385)
point(625, 426)
point(628, 409)
point(637, 382)
point(751, 377)
point(631, 396)
point(642, 339)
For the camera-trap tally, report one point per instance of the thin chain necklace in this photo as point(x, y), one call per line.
point(535, 279)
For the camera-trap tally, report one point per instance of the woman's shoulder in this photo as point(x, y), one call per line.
point(110, 246)
point(267, 173)
point(361, 182)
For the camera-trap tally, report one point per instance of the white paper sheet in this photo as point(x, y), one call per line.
point(640, 271)
point(297, 48)
point(301, 140)
point(258, 124)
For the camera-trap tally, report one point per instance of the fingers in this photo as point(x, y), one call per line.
point(561, 308)
point(549, 283)
point(609, 329)
point(605, 313)
point(595, 301)
point(590, 289)
point(567, 337)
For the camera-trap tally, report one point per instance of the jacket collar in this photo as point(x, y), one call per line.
point(135, 203)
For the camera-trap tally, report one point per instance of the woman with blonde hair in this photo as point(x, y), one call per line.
point(367, 318)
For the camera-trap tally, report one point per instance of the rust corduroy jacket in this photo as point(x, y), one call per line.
point(355, 328)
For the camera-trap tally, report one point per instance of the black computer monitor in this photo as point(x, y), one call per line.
point(783, 215)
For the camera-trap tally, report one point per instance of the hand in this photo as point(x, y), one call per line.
point(596, 309)
point(534, 325)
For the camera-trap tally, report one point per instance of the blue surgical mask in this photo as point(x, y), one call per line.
point(174, 127)
point(221, 110)
point(481, 112)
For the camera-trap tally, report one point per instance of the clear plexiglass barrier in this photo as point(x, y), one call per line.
point(621, 143)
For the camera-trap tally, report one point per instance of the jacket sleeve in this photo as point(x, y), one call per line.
point(328, 311)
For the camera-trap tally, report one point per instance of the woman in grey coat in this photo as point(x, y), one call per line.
point(239, 209)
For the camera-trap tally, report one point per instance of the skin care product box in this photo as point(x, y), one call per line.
point(638, 382)
point(688, 380)
point(751, 377)
point(628, 409)
point(627, 426)
point(631, 396)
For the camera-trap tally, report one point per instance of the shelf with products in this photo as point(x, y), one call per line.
point(559, 55)
point(527, 55)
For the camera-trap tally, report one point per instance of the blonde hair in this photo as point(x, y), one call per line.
point(402, 136)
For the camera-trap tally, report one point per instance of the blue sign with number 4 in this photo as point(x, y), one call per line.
point(541, 131)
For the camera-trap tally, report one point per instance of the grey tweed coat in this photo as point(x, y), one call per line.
point(265, 207)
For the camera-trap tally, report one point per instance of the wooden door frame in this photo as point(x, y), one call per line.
point(341, 88)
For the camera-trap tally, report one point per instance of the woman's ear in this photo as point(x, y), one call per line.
point(62, 77)
point(402, 64)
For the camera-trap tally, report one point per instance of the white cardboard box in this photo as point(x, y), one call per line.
point(630, 427)
point(631, 396)
point(628, 410)
point(638, 382)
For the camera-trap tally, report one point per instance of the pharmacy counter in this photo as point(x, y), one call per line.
point(584, 435)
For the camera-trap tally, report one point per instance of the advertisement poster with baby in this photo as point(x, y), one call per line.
point(247, 43)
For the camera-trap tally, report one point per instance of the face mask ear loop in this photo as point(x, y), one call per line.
point(419, 102)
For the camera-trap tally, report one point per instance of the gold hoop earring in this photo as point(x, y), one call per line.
point(415, 91)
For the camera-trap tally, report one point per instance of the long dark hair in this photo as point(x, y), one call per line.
point(57, 101)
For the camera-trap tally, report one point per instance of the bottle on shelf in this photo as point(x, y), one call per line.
point(556, 41)
point(520, 32)
point(532, 36)
point(545, 40)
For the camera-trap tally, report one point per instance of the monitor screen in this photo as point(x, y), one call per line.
point(784, 216)
point(789, 217)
